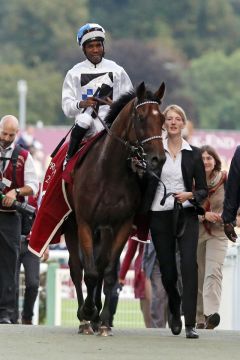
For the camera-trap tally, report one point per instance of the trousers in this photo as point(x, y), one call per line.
point(210, 257)
point(165, 245)
point(10, 230)
point(31, 264)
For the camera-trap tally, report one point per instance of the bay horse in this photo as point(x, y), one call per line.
point(105, 196)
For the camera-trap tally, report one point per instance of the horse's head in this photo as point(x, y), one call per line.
point(148, 125)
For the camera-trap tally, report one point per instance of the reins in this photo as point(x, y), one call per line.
point(138, 150)
point(139, 143)
point(109, 132)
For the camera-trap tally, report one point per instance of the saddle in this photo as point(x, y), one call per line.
point(55, 208)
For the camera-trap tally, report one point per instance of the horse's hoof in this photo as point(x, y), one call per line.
point(105, 331)
point(85, 329)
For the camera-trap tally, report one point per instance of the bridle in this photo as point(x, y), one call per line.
point(136, 150)
point(137, 115)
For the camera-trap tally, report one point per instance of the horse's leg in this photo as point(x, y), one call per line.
point(111, 275)
point(88, 311)
point(98, 302)
point(75, 267)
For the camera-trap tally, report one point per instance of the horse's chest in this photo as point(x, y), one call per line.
point(116, 200)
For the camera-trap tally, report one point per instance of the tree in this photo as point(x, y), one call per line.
point(129, 18)
point(146, 63)
point(40, 29)
point(43, 97)
point(212, 82)
point(192, 26)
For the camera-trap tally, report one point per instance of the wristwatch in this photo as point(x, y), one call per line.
point(17, 191)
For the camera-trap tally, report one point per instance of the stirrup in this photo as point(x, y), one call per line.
point(65, 162)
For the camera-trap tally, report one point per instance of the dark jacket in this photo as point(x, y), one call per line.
point(232, 193)
point(194, 178)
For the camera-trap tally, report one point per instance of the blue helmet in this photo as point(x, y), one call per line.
point(90, 32)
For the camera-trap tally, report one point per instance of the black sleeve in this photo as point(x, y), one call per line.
point(232, 193)
point(200, 183)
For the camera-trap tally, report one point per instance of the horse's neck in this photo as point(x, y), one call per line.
point(114, 149)
point(122, 124)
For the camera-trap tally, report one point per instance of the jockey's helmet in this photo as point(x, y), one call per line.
point(90, 32)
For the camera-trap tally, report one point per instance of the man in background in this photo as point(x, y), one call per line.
point(18, 179)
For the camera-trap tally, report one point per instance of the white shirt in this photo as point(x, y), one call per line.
point(172, 178)
point(85, 78)
point(30, 174)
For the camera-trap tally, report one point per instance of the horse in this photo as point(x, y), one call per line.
point(105, 196)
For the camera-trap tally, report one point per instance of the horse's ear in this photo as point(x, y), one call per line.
point(141, 90)
point(160, 92)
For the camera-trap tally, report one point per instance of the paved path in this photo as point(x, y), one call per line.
point(19, 342)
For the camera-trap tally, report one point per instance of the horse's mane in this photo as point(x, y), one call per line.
point(124, 99)
point(117, 106)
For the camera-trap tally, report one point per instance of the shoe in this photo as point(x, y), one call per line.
point(5, 321)
point(176, 325)
point(201, 326)
point(191, 332)
point(212, 321)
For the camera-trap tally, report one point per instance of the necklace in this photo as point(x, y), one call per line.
point(174, 153)
point(174, 148)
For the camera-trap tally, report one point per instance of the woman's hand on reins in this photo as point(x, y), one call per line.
point(181, 197)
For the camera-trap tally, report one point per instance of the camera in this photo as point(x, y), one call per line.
point(23, 208)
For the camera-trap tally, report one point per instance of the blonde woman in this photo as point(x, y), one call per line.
point(176, 221)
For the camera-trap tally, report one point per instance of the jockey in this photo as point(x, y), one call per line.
point(93, 77)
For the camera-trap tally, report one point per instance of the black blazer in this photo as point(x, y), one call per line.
point(232, 191)
point(194, 178)
point(194, 175)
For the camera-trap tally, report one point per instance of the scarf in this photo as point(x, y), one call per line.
point(213, 185)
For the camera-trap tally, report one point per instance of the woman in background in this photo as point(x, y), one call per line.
point(212, 243)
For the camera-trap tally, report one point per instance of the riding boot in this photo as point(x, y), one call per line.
point(76, 137)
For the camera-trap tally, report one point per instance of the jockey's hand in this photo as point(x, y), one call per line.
point(9, 198)
point(230, 232)
point(90, 102)
point(109, 100)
